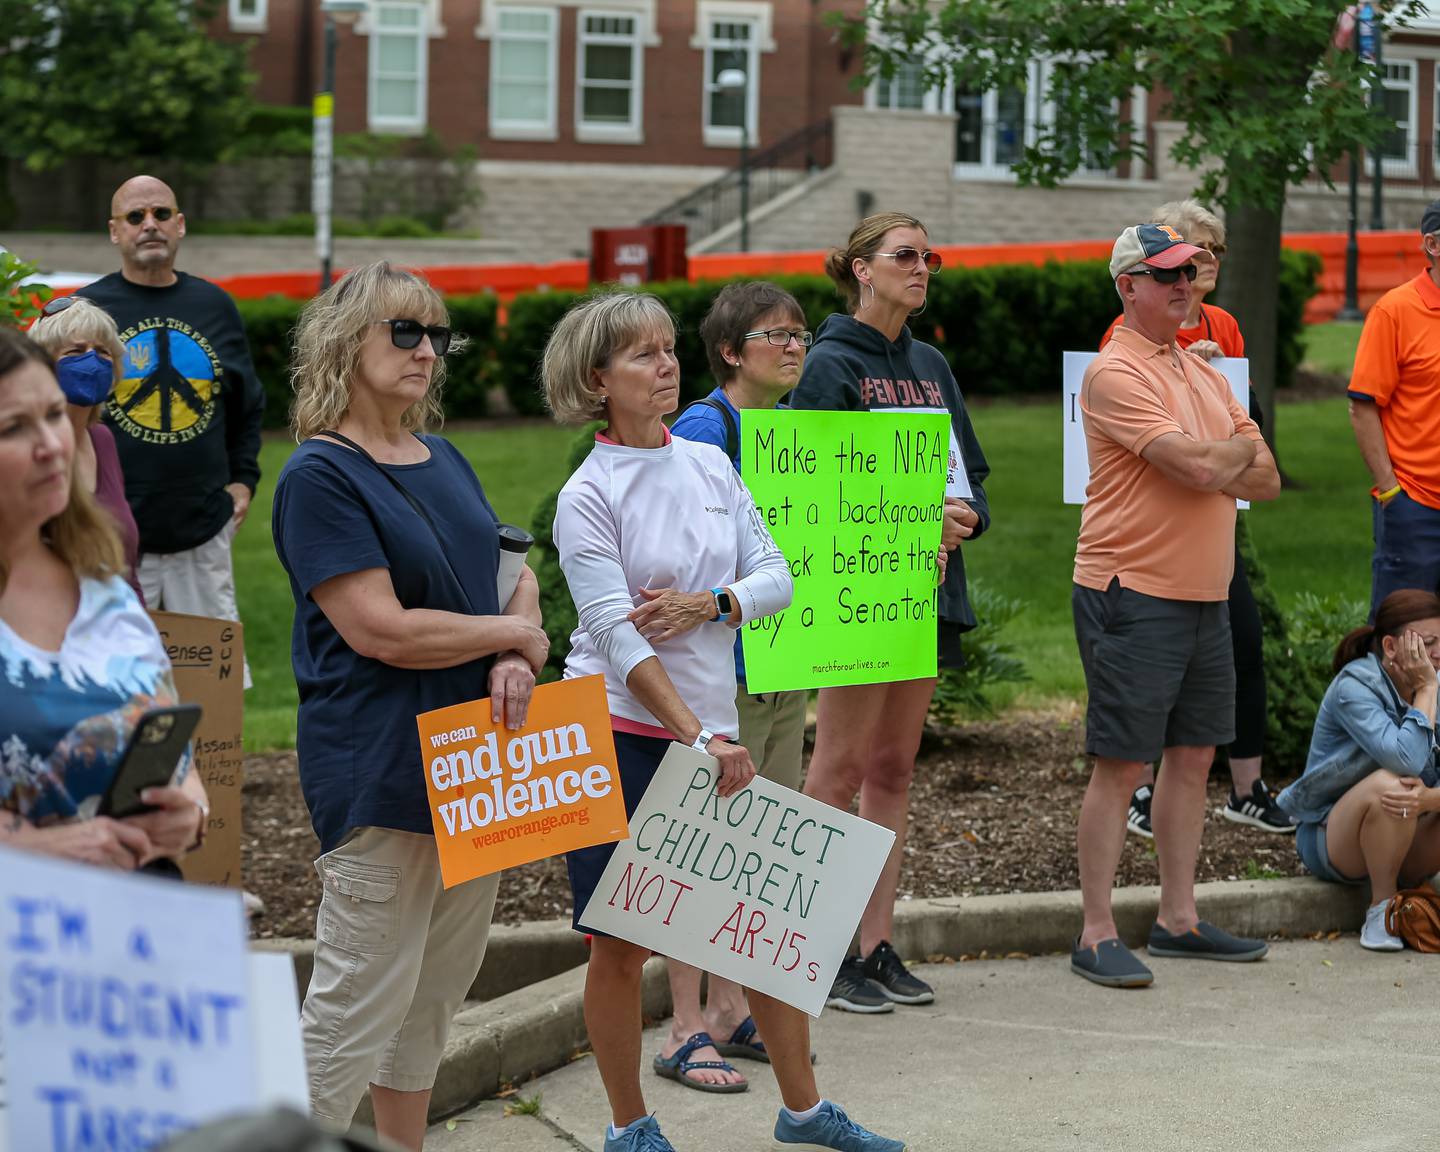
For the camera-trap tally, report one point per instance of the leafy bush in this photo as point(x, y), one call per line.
point(989, 660)
point(556, 606)
point(1002, 328)
point(1298, 651)
point(1299, 273)
point(270, 324)
point(19, 305)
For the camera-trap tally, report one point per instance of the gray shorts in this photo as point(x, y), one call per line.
point(1160, 673)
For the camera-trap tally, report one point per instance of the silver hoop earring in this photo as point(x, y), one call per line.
point(920, 311)
point(863, 285)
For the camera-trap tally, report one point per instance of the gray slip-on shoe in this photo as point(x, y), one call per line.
point(1111, 964)
point(1205, 942)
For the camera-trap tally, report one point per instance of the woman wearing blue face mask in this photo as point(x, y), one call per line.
point(82, 339)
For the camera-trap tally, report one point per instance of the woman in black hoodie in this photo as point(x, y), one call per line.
point(867, 735)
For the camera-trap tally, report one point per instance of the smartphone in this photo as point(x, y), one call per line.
point(150, 759)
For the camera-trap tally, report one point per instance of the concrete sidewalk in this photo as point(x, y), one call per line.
point(1321, 1046)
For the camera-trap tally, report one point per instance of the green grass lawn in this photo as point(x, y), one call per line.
point(1316, 537)
point(1331, 347)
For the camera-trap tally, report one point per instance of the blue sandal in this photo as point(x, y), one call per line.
point(677, 1066)
point(744, 1044)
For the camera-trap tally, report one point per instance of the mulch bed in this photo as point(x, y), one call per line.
point(993, 810)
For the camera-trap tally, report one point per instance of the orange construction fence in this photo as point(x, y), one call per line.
point(1386, 259)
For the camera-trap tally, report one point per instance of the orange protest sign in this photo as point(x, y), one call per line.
point(500, 797)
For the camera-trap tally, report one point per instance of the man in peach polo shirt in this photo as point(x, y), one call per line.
point(1395, 410)
point(1170, 451)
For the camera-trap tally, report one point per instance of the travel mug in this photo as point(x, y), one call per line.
point(514, 544)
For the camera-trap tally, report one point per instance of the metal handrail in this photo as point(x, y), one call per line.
point(770, 171)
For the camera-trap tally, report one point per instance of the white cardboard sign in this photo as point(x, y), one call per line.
point(764, 888)
point(126, 1006)
point(1077, 454)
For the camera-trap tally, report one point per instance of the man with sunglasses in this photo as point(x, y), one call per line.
point(186, 414)
point(1170, 451)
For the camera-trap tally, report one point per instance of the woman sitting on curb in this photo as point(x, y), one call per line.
point(1368, 803)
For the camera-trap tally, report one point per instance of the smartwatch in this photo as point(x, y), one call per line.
point(724, 605)
point(702, 740)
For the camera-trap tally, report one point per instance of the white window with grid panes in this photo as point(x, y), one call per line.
point(523, 96)
point(1400, 142)
point(906, 89)
point(731, 43)
point(609, 77)
point(399, 56)
point(248, 15)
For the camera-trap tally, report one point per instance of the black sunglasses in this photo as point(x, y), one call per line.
point(905, 258)
point(406, 334)
point(1168, 275)
point(136, 216)
point(57, 305)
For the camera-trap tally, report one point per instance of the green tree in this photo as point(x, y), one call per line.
point(115, 79)
point(1264, 93)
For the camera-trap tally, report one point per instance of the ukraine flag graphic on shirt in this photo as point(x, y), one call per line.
point(170, 384)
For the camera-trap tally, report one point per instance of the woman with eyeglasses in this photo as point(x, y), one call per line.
point(85, 344)
point(867, 735)
point(1211, 332)
point(392, 553)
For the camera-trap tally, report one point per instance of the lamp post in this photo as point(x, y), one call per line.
point(1370, 32)
point(731, 80)
point(322, 154)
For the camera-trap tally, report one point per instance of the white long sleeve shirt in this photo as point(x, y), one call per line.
point(678, 517)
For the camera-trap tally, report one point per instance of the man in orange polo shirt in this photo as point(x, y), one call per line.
point(1395, 410)
point(1170, 451)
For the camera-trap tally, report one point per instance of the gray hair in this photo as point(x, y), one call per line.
point(588, 335)
point(1185, 216)
point(331, 330)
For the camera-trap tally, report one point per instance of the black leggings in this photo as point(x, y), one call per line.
point(1248, 640)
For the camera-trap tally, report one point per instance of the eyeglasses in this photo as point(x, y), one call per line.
point(406, 334)
point(136, 216)
point(781, 337)
point(1167, 275)
point(1216, 250)
point(59, 304)
point(905, 258)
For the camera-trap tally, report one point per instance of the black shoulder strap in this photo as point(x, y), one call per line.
point(732, 430)
point(409, 499)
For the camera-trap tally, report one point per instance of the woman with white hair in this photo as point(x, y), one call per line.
point(665, 555)
point(392, 552)
point(82, 339)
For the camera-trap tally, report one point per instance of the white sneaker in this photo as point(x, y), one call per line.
point(1374, 935)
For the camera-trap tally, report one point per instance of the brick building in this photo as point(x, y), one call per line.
point(593, 113)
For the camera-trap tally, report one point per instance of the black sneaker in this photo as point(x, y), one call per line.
point(885, 968)
point(1258, 810)
point(853, 992)
point(1138, 821)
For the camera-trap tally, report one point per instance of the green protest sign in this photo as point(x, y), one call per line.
point(855, 501)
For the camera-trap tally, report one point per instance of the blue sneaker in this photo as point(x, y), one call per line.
point(642, 1137)
point(829, 1130)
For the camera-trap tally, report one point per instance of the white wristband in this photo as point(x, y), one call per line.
point(702, 740)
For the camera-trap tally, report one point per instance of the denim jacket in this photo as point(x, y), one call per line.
point(1363, 725)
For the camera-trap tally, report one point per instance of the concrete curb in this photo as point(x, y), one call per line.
point(515, 957)
point(1039, 922)
point(538, 1022)
point(540, 1027)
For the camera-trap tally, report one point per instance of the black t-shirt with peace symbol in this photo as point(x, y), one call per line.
point(187, 412)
